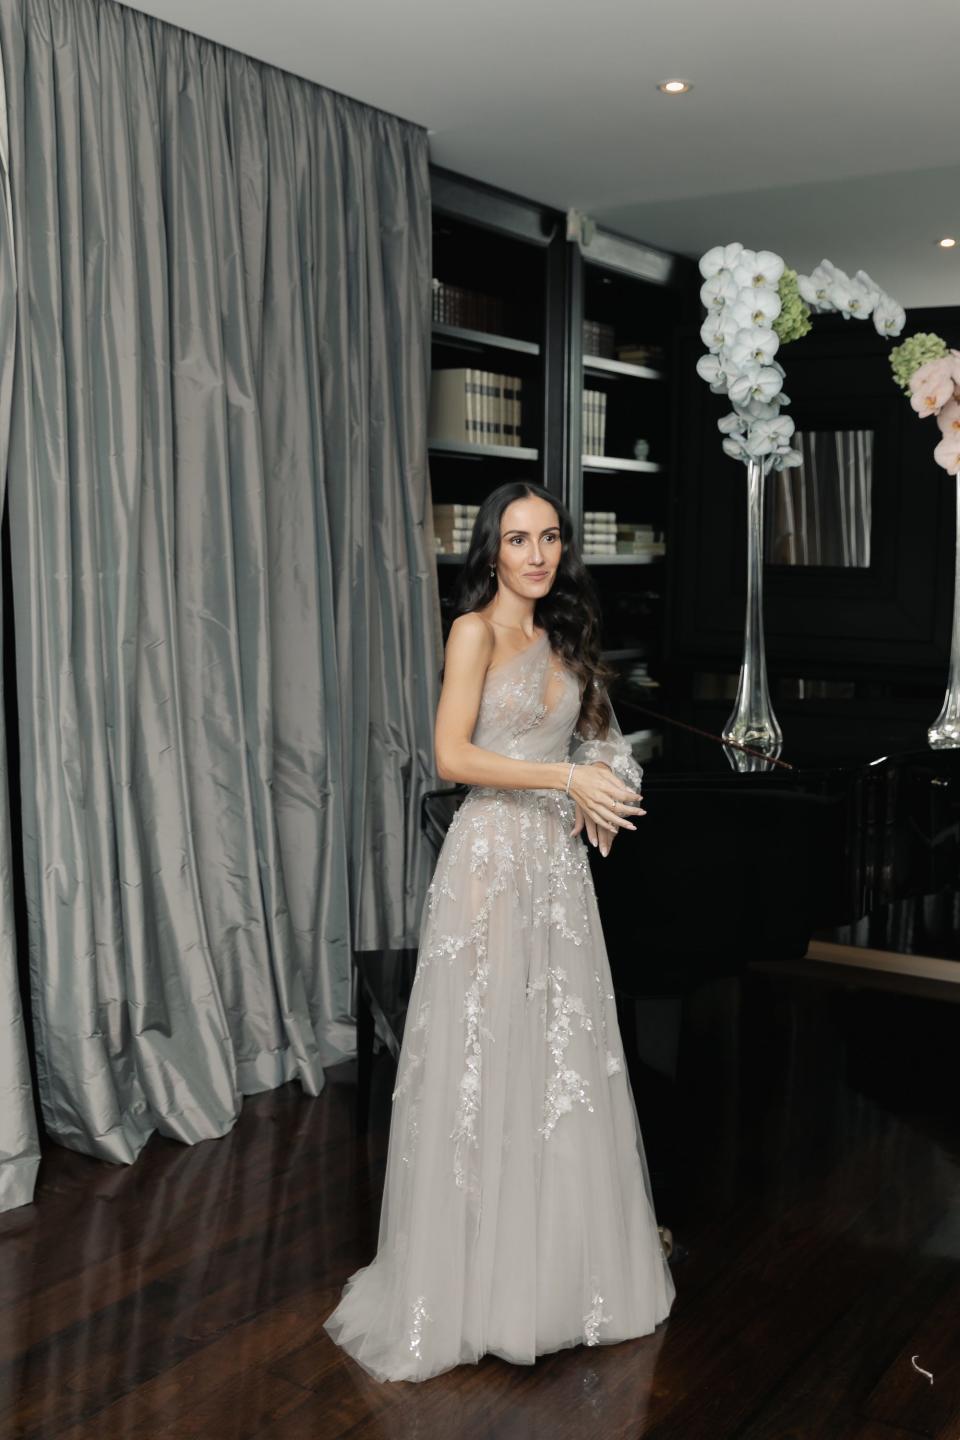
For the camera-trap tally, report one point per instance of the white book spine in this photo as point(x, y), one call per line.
point(472, 435)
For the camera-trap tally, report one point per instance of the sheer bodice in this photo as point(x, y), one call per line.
point(529, 709)
point(529, 705)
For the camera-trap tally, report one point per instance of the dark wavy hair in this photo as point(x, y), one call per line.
point(569, 612)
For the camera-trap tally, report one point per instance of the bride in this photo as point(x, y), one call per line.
point(517, 1215)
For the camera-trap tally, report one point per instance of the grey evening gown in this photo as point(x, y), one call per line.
point(517, 1214)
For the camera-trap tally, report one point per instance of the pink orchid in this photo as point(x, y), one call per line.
point(949, 418)
point(947, 453)
point(932, 385)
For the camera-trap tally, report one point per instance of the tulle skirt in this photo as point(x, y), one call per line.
point(517, 1215)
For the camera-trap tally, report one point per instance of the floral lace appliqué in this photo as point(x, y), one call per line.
point(565, 1086)
point(464, 1132)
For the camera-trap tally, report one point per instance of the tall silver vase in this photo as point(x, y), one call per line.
point(752, 721)
point(944, 733)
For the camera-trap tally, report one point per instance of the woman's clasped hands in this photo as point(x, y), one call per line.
point(603, 803)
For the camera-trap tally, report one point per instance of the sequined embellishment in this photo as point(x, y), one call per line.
point(565, 1085)
point(464, 1131)
point(418, 1315)
point(412, 1054)
point(593, 1319)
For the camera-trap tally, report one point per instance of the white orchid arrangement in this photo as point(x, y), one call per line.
point(754, 303)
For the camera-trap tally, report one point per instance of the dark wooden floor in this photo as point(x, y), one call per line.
point(807, 1156)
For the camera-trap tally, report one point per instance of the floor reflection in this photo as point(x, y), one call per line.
point(801, 1130)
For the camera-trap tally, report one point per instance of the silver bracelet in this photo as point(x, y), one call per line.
point(573, 767)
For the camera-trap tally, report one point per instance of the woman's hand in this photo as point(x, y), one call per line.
point(603, 803)
point(598, 835)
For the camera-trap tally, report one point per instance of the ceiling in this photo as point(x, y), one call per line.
point(824, 128)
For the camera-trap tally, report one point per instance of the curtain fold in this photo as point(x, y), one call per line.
point(19, 1146)
point(819, 513)
point(226, 639)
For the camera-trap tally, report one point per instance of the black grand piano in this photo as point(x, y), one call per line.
point(742, 859)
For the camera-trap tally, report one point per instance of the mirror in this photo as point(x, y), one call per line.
point(819, 513)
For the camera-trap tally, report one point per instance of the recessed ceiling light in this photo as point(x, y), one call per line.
point(947, 243)
point(674, 87)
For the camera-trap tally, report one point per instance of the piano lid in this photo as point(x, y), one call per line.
point(817, 743)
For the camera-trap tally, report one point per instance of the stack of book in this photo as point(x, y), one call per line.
point(452, 527)
point(639, 540)
point(453, 305)
point(594, 422)
point(598, 339)
point(636, 354)
point(476, 406)
point(599, 532)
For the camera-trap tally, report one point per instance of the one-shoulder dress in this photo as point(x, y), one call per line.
point(517, 1215)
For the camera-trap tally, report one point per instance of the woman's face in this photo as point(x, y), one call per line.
point(530, 546)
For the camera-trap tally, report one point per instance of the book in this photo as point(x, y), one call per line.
point(467, 309)
point(446, 508)
point(474, 405)
point(451, 414)
point(598, 338)
point(636, 354)
point(594, 403)
point(449, 526)
point(513, 397)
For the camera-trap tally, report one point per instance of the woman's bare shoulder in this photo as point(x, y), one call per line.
point(471, 636)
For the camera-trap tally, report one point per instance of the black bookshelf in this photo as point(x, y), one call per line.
point(528, 292)
point(494, 261)
point(627, 301)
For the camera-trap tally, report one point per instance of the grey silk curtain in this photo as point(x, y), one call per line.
point(19, 1150)
point(226, 642)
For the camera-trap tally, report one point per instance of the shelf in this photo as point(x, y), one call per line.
point(471, 451)
point(620, 559)
point(616, 463)
point(462, 338)
point(622, 369)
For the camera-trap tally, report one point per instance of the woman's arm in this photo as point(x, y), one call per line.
point(615, 753)
point(467, 656)
point(597, 791)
